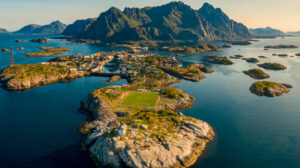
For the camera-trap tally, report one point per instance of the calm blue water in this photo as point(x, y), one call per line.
point(7, 40)
point(38, 127)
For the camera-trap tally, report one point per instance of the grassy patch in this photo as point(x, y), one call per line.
point(171, 93)
point(160, 124)
point(48, 51)
point(200, 48)
point(110, 92)
point(219, 60)
point(265, 84)
point(140, 99)
point(189, 71)
point(23, 71)
point(60, 59)
point(272, 64)
point(257, 71)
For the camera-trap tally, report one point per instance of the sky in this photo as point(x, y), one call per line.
point(280, 14)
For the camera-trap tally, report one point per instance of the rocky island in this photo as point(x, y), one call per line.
point(122, 133)
point(219, 60)
point(261, 56)
point(20, 41)
point(236, 56)
point(191, 49)
point(273, 66)
point(240, 42)
point(251, 60)
point(282, 55)
point(26, 76)
point(4, 50)
point(281, 46)
point(39, 40)
point(114, 78)
point(192, 73)
point(48, 51)
point(206, 69)
point(269, 89)
point(256, 73)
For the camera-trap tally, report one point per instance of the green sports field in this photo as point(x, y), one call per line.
point(140, 99)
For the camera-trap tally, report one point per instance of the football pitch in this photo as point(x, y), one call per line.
point(140, 99)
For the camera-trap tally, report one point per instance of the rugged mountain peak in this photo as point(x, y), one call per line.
point(56, 22)
point(176, 5)
point(78, 27)
point(114, 10)
point(3, 30)
point(207, 7)
point(169, 22)
point(267, 31)
point(55, 27)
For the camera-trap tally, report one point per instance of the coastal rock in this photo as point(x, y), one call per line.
point(98, 108)
point(281, 46)
point(21, 41)
point(14, 78)
point(240, 42)
point(174, 99)
point(219, 60)
point(39, 40)
point(261, 56)
point(203, 68)
point(114, 78)
point(269, 89)
point(191, 72)
point(48, 51)
point(282, 55)
point(207, 70)
point(236, 57)
point(182, 151)
point(251, 60)
point(226, 46)
point(273, 66)
point(256, 74)
point(298, 54)
point(4, 50)
point(192, 49)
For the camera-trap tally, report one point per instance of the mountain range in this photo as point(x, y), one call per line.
point(268, 31)
point(3, 30)
point(170, 22)
point(271, 32)
point(296, 33)
point(55, 27)
point(78, 26)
